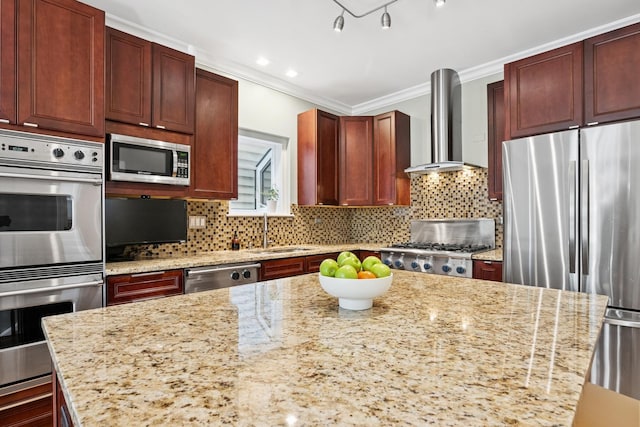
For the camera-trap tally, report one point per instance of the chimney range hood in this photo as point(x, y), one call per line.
point(446, 126)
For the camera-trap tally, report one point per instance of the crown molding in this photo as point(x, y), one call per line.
point(231, 69)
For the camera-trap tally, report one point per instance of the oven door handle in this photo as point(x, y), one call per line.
point(51, 289)
point(94, 181)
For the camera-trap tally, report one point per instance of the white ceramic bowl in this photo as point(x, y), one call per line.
point(355, 294)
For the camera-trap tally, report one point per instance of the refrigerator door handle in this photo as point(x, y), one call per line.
point(572, 217)
point(622, 322)
point(584, 226)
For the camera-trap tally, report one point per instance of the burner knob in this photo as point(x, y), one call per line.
point(388, 262)
point(461, 270)
point(79, 155)
point(58, 152)
point(398, 264)
point(427, 266)
point(415, 265)
point(235, 275)
point(446, 268)
point(246, 274)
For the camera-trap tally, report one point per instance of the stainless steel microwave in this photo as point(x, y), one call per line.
point(147, 160)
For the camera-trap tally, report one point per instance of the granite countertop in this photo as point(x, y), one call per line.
point(432, 350)
point(492, 255)
point(226, 257)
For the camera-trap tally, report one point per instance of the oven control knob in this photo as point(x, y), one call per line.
point(427, 266)
point(58, 152)
point(461, 270)
point(79, 155)
point(235, 275)
point(246, 274)
point(398, 264)
point(415, 265)
point(387, 262)
point(446, 268)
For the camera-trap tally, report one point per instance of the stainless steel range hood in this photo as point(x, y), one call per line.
point(446, 126)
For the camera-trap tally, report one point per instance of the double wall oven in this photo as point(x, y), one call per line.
point(51, 246)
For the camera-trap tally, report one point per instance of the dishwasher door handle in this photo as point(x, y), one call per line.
point(219, 269)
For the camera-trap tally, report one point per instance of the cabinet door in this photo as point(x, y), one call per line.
point(215, 149)
point(496, 128)
point(8, 61)
point(137, 287)
point(128, 73)
point(32, 406)
point(314, 261)
point(173, 89)
point(61, 66)
point(391, 156)
point(487, 270)
point(277, 268)
point(544, 92)
point(318, 134)
point(355, 178)
point(612, 75)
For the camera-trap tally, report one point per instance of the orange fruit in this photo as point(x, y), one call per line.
point(366, 275)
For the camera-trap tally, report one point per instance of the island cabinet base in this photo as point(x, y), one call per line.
point(31, 406)
point(61, 416)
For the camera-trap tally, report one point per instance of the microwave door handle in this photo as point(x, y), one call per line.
point(175, 163)
point(94, 181)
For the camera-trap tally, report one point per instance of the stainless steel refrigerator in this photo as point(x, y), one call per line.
point(572, 221)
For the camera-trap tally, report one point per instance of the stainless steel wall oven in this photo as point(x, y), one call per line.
point(51, 245)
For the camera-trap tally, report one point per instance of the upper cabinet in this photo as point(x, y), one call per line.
point(543, 93)
point(318, 134)
point(612, 75)
point(355, 160)
point(214, 151)
point(149, 84)
point(496, 134)
point(52, 66)
point(391, 156)
point(585, 83)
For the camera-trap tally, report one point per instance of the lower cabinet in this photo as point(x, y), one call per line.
point(314, 261)
point(362, 254)
point(32, 406)
point(286, 267)
point(142, 286)
point(487, 270)
point(61, 416)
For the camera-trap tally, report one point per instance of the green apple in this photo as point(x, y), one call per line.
point(369, 261)
point(345, 255)
point(346, 272)
point(328, 267)
point(380, 270)
point(354, 262)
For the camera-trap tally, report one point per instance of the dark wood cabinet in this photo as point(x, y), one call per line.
point(391, 156)
point(61, 415)
point(318, 134)
point(31, 406)
point(362, 254)
point(149, 84)
point(543, 93)
point(612, 75)
point(142, 286)
point(128, 74)
point(355, 160)
point(214, 152)
point(314, 261)
point(496, 134)
point(285, 267)
point(487, 270)
point(52, 67)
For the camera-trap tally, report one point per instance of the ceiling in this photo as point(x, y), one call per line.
point(364, 66)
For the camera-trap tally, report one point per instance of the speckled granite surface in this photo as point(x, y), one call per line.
point(432, 350)
point(492, 255)
point(225, 257)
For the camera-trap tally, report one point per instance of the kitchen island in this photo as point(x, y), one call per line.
point(432, 350)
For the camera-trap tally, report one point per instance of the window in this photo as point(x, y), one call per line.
point(262, 161)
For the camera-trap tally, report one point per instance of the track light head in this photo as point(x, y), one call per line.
point(339, 22)
point(440, 3)
point(386, 19)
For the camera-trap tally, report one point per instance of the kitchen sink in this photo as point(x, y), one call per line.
point(282, 250)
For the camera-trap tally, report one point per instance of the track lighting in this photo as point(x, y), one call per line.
point(339, 22)
point(386, 19)
point(439, 3)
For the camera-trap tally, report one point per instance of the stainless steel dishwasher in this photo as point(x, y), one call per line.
point(220, 276)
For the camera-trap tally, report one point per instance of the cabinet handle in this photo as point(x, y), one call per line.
point(574, 127)
point(143, 124)
point(4, 121)
point(153, 273)
point(33, 125)
point(592, 123)
point(488, 262)
point(160, 127)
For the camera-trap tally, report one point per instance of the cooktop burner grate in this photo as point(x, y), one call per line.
point(444, 247)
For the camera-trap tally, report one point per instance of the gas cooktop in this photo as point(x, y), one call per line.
point(440, 247)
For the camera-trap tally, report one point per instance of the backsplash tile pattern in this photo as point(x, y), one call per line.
point(461, 194)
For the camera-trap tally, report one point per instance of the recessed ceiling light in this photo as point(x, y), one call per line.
point(440, 3)
point(291, 73)
point(262, 61)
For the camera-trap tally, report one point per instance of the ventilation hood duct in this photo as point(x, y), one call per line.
point(446, 126)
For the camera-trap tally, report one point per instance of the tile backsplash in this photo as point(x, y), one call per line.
point(461, 194)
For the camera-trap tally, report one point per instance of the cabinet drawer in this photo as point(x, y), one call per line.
point(32, 406)
point(314, 261)
point(277, 268)
point(142, 286)
point(487, 270)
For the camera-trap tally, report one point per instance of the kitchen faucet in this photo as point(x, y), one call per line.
point(265, 228)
